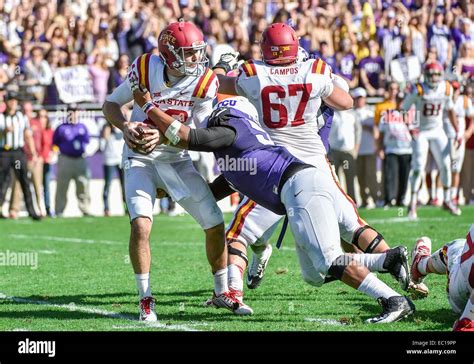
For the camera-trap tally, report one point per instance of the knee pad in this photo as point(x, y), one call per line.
point(233, 251)
point(373, 244)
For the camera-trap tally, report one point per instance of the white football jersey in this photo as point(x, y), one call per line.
point(463, 107)
point(430, 104)
point(287, 100)
point(190, 101)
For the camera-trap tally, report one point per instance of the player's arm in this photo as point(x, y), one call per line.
point(226, 63)
point(220, 188)
point(179, 135)
point(339, 99)
point(112, 110)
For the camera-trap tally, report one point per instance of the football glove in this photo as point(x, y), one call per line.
point(228, 61)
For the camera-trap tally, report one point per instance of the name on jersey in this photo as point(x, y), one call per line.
point(175, 102)
point(284, 71)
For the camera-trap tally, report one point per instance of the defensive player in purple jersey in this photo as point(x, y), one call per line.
point(268, 174)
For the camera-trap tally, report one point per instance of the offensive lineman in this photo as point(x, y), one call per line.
point(455, 259)
point(282, 90)
point(430, 98)
point(184, 88)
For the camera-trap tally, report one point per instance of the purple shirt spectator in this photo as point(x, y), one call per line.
point(72, 139)
point(373, 66)
point(346, 66)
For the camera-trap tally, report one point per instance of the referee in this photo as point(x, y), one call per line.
point(14, 131)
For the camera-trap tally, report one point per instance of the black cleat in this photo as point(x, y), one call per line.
point(256, 270)
point(394, 309)
point(396, 263)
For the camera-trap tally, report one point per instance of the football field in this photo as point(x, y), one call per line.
point(75, 275)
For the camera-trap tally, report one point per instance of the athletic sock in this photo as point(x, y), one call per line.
point(447, 194)
point(422, 265)
point(373, 262)
point(234, 273)
point(220, 282)
point(143, 284)
point(375, 288)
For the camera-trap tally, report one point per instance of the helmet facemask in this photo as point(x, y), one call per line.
point(433, 78)
point(190, 68)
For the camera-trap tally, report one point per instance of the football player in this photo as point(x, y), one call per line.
point(283, 92)
point(430, 98)
point(455, 259)
point(183, 87)
point(284, 184)
point(463, 107)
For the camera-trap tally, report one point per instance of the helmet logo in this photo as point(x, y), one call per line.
point(168, 38)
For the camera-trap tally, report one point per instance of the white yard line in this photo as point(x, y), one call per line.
point(92, 310)
point(324, 321)
point(396, 220)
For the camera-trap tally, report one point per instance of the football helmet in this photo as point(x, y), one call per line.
point(279, 44)
point(433, 73)
point(180, 40)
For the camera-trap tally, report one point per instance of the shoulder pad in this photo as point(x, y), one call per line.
point(204, 83)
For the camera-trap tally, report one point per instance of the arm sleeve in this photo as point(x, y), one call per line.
point(211, 139)
point(122, 94)
point(220, 188)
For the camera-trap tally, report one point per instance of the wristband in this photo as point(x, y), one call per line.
point(172, 132)
point(149, 105)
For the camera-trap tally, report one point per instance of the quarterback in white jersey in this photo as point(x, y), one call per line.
point(431, 98)
point(183, 87)
point(456, 260)
point(288, 95)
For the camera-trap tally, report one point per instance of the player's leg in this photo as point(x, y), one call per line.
point(309, 200)
point(252, 225)
point(440, 149)
point(202, 206)
point(456, 166)
point(65, 173)
point(420, 154)
point(140, 192)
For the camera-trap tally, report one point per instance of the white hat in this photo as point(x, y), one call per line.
point(358, 92)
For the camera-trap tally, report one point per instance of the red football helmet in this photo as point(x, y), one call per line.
point(279, 44)
point(178, 41)
point(433, 73)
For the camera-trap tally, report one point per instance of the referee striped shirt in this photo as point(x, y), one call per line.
point(15, 138)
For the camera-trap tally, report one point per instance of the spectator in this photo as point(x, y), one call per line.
point(371, 71)
point(100, 73)
point(390, 38)
point(72, 138)
point(14, 133)
point(346, 63)
point(118, 73)
point(47, 155)
point(366, 158)
point(465, 63)
point(113, 144)
point(439, 37)
point(38, 74)
point(344, 139)
point(463, 34)
point(394, 148)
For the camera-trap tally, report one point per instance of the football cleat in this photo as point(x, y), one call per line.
point(229, 301)
point(256, 270)
point(394, 309)
point(147, 309)
point(396, 262)
point(464, 325)
point(421, 249)
point(452, 208)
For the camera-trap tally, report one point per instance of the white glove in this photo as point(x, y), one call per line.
point(228, 61)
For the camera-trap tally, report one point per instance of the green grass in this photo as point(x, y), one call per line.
point(93, 273)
